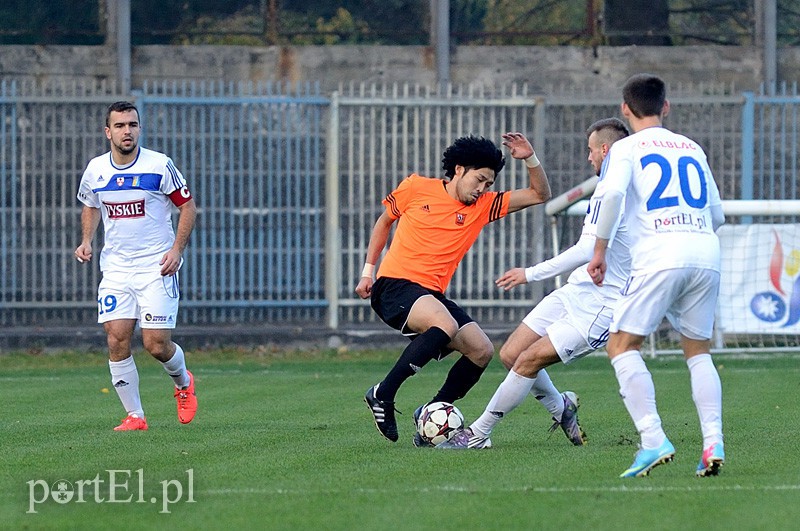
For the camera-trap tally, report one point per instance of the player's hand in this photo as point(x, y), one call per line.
point(170, 263)
point(364, 288)
point(597, 268)
point(84, 252)
point(518, 145)
point(511, 278)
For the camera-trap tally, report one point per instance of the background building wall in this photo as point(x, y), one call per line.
point(600, 68)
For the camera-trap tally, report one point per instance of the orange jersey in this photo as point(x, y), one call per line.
point(434, 231)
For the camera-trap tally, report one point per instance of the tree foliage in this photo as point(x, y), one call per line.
point(529, 22)
point(50, 22)
point(552, 21)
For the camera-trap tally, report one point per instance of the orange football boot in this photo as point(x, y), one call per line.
point(187, 402)
point(132, 423)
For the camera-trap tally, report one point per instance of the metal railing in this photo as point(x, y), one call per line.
point(289, 183)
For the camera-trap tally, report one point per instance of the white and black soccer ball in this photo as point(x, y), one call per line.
point(438, 421)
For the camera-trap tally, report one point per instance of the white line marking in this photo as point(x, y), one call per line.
point(540, 490)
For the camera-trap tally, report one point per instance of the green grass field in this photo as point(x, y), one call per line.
point(284, 441)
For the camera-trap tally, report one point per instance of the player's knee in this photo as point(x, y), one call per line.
point(528, 365)
point(118, 345)
point(158, 348)
point(449, 328)
point(483, 353)
point(508, 356)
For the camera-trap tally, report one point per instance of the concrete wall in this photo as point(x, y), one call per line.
point(543, 68)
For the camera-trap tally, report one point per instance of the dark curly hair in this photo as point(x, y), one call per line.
point(472, 152)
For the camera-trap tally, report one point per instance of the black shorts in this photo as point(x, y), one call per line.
point(392, 299)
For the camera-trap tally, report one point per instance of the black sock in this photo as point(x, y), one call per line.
point(420, 351)
point(462, 377)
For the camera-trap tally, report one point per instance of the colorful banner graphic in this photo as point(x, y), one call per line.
point(760, 284)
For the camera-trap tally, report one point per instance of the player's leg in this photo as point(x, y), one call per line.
point(550, 310)
point(412, 309)
point(638, 394)
point(434, 324)
point(124, 374)
point(159, 300)
point(517, 384)
point(563, 407)
point(158, 342)
point(477, 351)
point(693, 316)
point(581, 328)
point(636, 386)
point(707, 396)
point(513, 390)
point(638, 312)
point(117, 312)
point(519, 340)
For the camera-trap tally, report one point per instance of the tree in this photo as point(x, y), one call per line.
point(49, 22)
point(542, 22)
point(642, 22)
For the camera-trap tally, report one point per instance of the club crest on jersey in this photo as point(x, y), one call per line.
point(120, 181)
point(135, 182)
point(460, 218)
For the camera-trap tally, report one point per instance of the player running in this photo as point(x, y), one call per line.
point(438, 221)
point(673, 208)
point(566, 325)
point(134, 189)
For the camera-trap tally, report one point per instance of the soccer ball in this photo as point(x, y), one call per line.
point(438, 421)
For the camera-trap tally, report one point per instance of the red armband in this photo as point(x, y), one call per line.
point(180, 196)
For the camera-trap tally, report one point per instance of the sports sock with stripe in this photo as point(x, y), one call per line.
point(419, 352)
point(707, 396)
point(509, 394)
point(639, 395)
point(125, 379)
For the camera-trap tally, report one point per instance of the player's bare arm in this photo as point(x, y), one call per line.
point(597, 265)
point(511, 278)
point(171, 261)
point(539, 189)
point(377, 241)
point(90, 220)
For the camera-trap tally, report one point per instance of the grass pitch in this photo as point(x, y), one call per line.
point(284, 441)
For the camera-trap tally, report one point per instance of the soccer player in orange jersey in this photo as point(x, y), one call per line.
point(438, 221)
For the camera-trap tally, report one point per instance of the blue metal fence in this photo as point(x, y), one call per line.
point(771, 144)
point(253, 156)
point(289, 182)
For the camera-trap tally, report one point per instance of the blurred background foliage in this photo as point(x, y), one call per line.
point(399, 22)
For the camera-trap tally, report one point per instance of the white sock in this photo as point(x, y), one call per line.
point(639, 395)
point(176, 368)
point(707, 396)
point(510, 393)
point(125, 379)
point(547, 394)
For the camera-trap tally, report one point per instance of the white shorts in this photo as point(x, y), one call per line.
point(149, 297)
point(687, 297)
point(574, 320)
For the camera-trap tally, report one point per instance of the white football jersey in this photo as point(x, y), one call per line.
point(669, 189)
point(618, 257)
point(135, 206)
